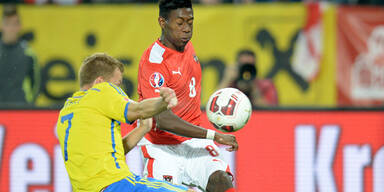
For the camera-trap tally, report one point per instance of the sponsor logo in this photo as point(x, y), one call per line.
point(195, 58)
point(177, 72)
point(168, 178)
point(315, 161)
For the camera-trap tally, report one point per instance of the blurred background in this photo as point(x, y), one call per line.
point(314, 71)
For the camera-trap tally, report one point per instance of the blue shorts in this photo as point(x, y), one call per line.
point(136, 183)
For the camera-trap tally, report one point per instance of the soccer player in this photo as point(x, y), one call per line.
point(171, 62)
point(89, 130)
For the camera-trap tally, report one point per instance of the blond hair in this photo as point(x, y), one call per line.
point(96, 65)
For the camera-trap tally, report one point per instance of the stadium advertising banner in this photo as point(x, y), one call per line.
point(285, 151)
point(360, 60)
point(63, 36)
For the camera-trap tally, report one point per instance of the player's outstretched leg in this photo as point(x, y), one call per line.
point(220, 181)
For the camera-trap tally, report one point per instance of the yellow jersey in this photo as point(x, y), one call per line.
point(88, 129)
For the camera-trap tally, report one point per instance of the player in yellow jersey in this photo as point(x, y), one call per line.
point(89, 130)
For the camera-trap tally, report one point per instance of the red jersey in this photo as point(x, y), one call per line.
point(161, 66)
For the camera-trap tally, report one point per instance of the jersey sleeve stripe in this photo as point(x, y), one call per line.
point(126, 114)
point(113, 143)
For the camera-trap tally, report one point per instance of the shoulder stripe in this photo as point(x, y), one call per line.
point(116, 88)
point(156, 55)
point(95, 89)
point(122, 92)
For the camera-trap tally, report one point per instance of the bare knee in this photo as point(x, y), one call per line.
point(219, 181)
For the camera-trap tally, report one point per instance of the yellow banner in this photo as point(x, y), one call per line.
point(64, 36)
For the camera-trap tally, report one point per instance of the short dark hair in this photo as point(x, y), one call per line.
point(98, 64)
point(166, 6)
point(245, 52)
point(9, 10)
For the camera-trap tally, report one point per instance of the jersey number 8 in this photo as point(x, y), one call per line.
point(192, 89)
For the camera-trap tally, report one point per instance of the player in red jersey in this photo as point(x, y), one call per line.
point(171, 62)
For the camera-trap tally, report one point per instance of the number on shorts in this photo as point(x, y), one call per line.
point(212, 151)
point(69, 119)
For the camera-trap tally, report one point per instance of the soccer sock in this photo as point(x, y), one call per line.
point(230, 190)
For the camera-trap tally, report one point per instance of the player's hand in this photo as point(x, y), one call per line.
point(146, 124)
point(169, 96)
point(227, 139)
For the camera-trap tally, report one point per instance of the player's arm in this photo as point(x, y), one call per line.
point(168, 121)
point(133, 137)
point(152, 106)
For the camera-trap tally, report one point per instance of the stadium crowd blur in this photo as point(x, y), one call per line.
point(208, 2)
point(19, 71)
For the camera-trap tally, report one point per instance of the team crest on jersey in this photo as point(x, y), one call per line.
point(156, 80)
point(168, 178)
point(195, 58)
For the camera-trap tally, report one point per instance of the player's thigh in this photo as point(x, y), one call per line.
point(161, 162)
point(154, 185)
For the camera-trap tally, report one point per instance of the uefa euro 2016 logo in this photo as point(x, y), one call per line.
point(156, 80)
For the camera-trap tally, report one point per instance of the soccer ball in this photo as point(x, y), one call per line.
point(228, 109)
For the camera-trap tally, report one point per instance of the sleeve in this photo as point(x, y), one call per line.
point(113, 102)
point(151, 77)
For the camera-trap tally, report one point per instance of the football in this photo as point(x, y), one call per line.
point(228, 109)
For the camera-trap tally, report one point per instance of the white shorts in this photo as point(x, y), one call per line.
point(189, 163)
